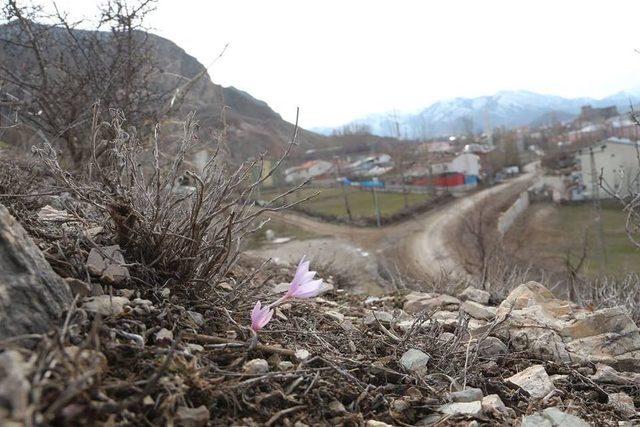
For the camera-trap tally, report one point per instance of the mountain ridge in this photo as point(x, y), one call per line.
point(507, 108)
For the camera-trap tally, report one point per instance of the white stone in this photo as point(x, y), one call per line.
point(462, 408)
point(106, 305)
point(534, 380)
point(415, 361)
point(623, 403)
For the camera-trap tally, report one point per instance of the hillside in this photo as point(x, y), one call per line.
point(253, 127)
point(505, 108)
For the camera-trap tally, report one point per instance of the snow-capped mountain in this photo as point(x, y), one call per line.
point(506, 108)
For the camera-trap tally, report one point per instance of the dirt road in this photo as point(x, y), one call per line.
point(419, 247)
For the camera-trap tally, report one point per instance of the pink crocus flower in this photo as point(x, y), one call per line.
point(303, 285)
point(260, 316)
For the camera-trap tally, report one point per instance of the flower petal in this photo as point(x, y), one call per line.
point(309, 289)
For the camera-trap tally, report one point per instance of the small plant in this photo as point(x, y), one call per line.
point(302, 286)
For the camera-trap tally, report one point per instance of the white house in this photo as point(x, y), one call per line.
point(310, 169)
point(464, 163)
point(616, 159)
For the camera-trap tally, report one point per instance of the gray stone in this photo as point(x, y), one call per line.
point(14, 384)
point(106, 305)
point(256, 366)
point(469, 394)
point(559, 418)
point(536, 420)
point(382, 317)
point(192, 417)
point(415, 361)
point(196, 317)
point(475, 294)
point(107, 262)
point(473, 409)
point(32, 295)
point(164, 336)
point(492, 347)
point(607, 374)
point(532, 319)
point(478, 311)
point(285, 365)
point(78, 287)
point(376, 423)
point(623, 403)
point(417, 302)
point(337, 408)
point(492, 404)
point(534, 380)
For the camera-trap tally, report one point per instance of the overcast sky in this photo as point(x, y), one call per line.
point(343, 59)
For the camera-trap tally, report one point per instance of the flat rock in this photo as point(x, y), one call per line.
point(469, 394)
point(562, 419)
point(382, 317)
point(534, 380)
point(478, 311)
point(415, 361)
point(473, 409)
point(416, 303)
point(476, 295)
point(32, 295)
point(607, 374)
point(106, 305)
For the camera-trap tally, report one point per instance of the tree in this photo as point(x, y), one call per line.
point(53, 74)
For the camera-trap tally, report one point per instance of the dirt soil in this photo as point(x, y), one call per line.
point(418, 247)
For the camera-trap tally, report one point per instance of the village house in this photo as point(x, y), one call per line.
point(310, 169)
point(616, 160)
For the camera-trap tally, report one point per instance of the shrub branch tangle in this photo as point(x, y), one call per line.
point(176, 234)
point(52, 73)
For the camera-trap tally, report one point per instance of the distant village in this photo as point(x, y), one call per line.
point(598, 147)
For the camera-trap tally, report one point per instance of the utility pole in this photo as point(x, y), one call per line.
point(595, 195)
point(344, 190)
point(375, 206)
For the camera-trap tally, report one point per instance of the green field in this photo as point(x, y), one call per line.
point(330, 201)
point(553, 231)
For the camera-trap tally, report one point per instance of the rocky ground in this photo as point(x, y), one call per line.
point(87, 338)
point(127, 355)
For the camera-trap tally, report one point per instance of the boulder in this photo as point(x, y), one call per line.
point(476, 295)
point(32, 295)
point(534, 380)
point(532, 319)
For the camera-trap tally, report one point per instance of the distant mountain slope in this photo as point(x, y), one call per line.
point(506, 108)
point(252, 126)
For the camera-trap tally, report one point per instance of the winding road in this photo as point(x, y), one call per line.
point(420, 247)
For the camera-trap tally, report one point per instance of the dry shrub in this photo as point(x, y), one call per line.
point(171, 233)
